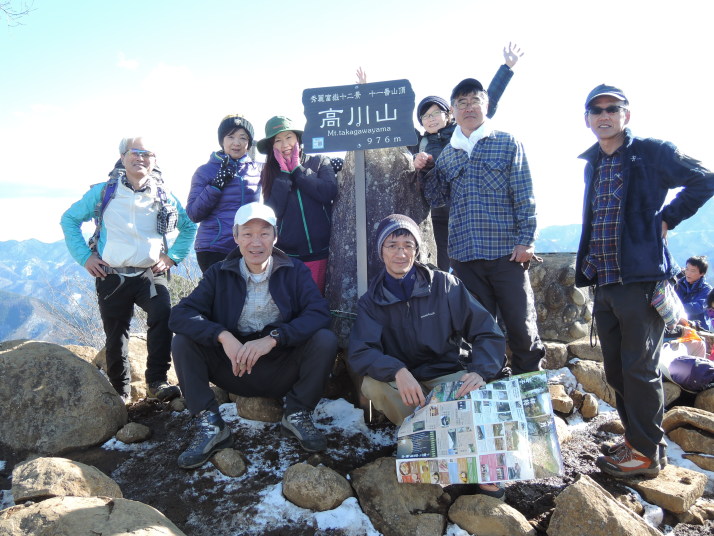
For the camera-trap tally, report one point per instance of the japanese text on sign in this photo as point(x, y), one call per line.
point(364, 116)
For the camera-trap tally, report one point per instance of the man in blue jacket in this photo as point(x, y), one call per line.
point(256, 325)
point(131, 260)
point(693, 290)
point(623, 253)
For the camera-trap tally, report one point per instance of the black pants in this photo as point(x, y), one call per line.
point(631, 332)
point(503, 286)
point(116, 306)
point(440, 223)
point(206, 259)
point(298, 373)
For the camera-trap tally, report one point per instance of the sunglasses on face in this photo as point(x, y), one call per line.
point(612, 109)
point(140, 153)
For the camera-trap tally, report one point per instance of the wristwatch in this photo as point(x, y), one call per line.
point(275, 334)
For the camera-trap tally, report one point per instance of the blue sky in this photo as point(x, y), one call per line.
point(77, 76)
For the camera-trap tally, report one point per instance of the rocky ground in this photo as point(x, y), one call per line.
point(204, 502)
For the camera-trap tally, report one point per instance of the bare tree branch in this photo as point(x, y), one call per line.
point(13, 11)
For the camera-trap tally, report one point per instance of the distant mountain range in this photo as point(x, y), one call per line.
point(42, 287)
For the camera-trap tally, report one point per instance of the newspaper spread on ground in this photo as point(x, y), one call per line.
point(500, 432)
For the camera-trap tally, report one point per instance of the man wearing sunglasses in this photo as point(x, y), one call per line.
point(484, 174)
point(130, 261)
point(623, 253)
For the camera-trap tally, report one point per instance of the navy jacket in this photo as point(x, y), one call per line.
point(215, 209)
point(650, 169)
point(216, 303)
point(302, 201)
point(694, 298)
point(424, 333)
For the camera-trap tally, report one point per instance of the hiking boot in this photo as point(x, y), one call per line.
point(162, 390)
point(211, 435)
point(301, 426)
point(627, 462)
point(611, 447)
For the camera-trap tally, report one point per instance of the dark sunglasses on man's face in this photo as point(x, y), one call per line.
point(612, 109)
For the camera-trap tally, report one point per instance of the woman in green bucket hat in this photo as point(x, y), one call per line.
point(300, 189)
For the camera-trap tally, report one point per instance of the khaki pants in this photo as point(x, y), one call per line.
point(385, 395)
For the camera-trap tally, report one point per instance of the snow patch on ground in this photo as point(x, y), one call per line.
point(6, 499)
point(115, 444)
point(564, 377)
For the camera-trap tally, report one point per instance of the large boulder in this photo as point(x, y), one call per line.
point(693, 440)
point(675, 489)
point(585, 508)
point(706, 462)
point(486, 516)
point(399, 509)
point(584, 350)
point(137, 364)
point(563, 310)
point(317, 488)
point(682, 416)
point(591, 376)
point(562, 403)
point(705, 400)
point(43, 478)
point(391, 188)
point(85, 353)
point(86, 516)
point(258, 408)
point(556, 355)
point(51, 401)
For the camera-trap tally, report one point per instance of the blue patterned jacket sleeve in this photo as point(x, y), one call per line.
point(497, 87)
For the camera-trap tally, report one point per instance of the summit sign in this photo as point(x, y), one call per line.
point(359, 117)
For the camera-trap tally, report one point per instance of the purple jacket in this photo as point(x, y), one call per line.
point(215, 209)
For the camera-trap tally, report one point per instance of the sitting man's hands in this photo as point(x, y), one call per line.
point(472, 381)
point(244, 356)
point(409, 388)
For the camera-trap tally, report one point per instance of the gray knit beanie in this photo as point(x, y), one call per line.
point(392, 223)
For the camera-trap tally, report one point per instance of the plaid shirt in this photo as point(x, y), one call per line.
point(259, 309)
point(601, 263)
point(491, 194)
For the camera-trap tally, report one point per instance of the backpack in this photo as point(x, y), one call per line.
point(692, 373)
point(166, 218)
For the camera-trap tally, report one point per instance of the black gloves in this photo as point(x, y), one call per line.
point(337, 164)
point(225, 174)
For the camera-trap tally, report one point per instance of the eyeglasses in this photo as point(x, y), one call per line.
point(612, 109)
point(140, 153)
point(409, 249)
point(462, 105)
point(432, 115)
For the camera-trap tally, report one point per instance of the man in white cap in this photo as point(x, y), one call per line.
point(623, 253)
point(256, 325)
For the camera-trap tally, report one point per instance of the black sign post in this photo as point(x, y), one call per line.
point(356, 118)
